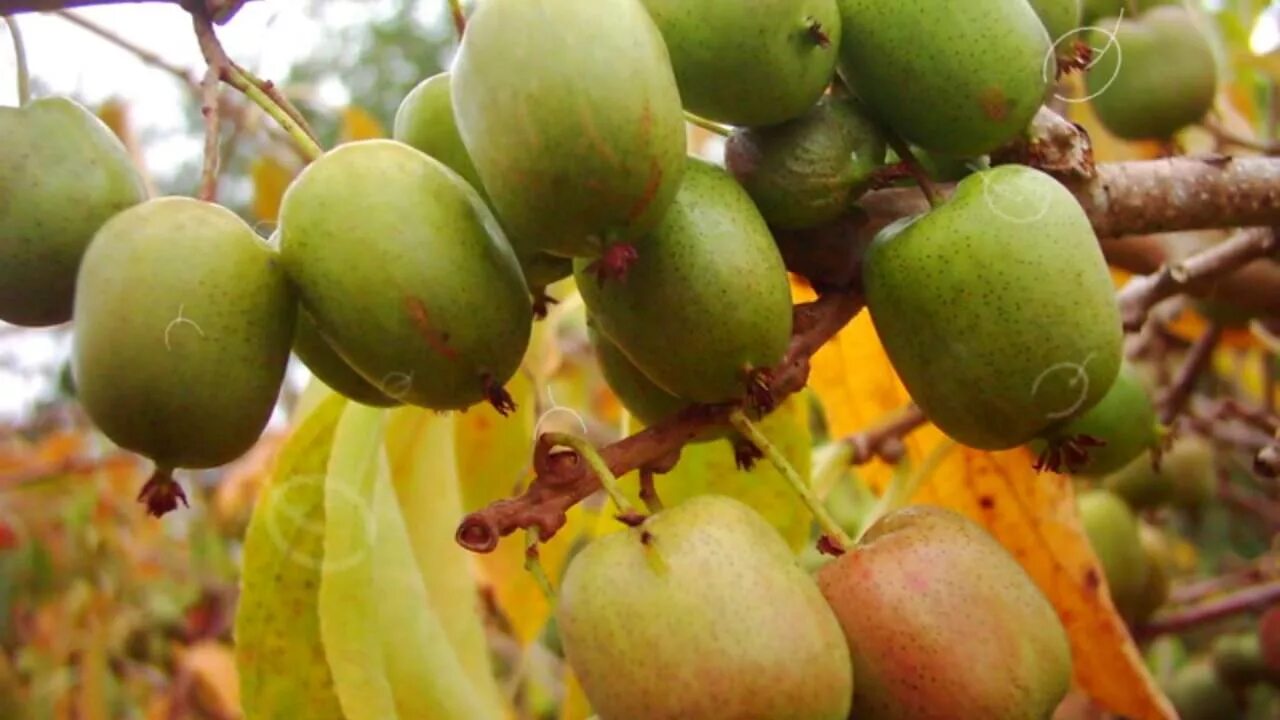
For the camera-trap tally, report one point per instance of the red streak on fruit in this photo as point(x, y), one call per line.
point(438, 341)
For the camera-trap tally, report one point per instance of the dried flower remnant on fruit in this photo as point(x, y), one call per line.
point(498, 396)
point(161, 494)
point(1070, 454)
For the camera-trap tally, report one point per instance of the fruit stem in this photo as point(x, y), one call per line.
point(459, 17)
point(309, 148)
point(917, 171)
point(705, 124)
point(533, 564)
point(20, 53)
point(835, 534)
point(608, 480)
point(906, 484)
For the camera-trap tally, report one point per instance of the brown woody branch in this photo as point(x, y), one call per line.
point(885, 439)
point(1144, 292)
point(221, 11)
point(1253, 599)
point(1136, 197)
point(562, 483)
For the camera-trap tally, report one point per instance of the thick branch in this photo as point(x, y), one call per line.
point(558, 488)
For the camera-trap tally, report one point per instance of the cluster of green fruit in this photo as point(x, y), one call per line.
point(1236, 678)
point(701, 612)
point(403, 269)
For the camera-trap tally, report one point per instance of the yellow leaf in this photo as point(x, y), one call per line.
point(420, 448)
point(575, 705)
point(710, 468)
point(359, 124)
point(282, 673)
point(1032, 515)
point(494, 455)
point(270, 179)
point(388, 652)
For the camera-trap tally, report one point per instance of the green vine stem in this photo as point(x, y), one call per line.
point(271, 91)
point(829, 526)
point(711, 127)
point(260, 93)
point(906, 483)
point(917, 170)
point(533, 565)
point(591, 456)
point(20, 54)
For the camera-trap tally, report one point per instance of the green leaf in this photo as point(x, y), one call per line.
point(389, 653)
point(277, 625)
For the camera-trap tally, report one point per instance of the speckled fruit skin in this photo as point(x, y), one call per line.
point(1164, 78)
point(710, 276)
point(995, 306)
point(936, 73)
point(425, 121)
point(570, 112)
point(1124, 419)
point(1060, 18)
point(328, 366)
point(749, 65)
point(183, 320)
point(406, 273)
point(944, 624)
point(62, 175)
point(711, 619)
point(808, 171)
point(1113, 533)
point(1095, 11)
point(1197, 693)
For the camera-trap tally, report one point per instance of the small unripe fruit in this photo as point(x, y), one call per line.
point(1185, 479)
point(62, 175)
point(943, 624)
point(1198, 693)
point(1163, 78)
point(937, 73)
point(701, 613)
point(710, 275)
point(810, 170)
point(1113, 533)
point(443, 315)
point(571, 114)
point(183, 321)
point(1121, 427)
point(758, 64)
point(997, 308)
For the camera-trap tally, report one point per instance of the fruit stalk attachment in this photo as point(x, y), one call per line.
point(627, 513)
point(835, 540)
point(260, 92)
point(533, 565)
point(918, 173)
point(459, 17)
point(711, 127)
point(20, 55)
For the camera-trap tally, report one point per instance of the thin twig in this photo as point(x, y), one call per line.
point(146, 56)
point(712, 127)
point(212, 134)
point(236, 77)
point(1260, 569)
point(884, 440)
point(1142, 293)
point(1250, 600)
point(1175, 397)
point(270, 90)
point(1229, 138)
point(836, 537)
point(20, 55)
